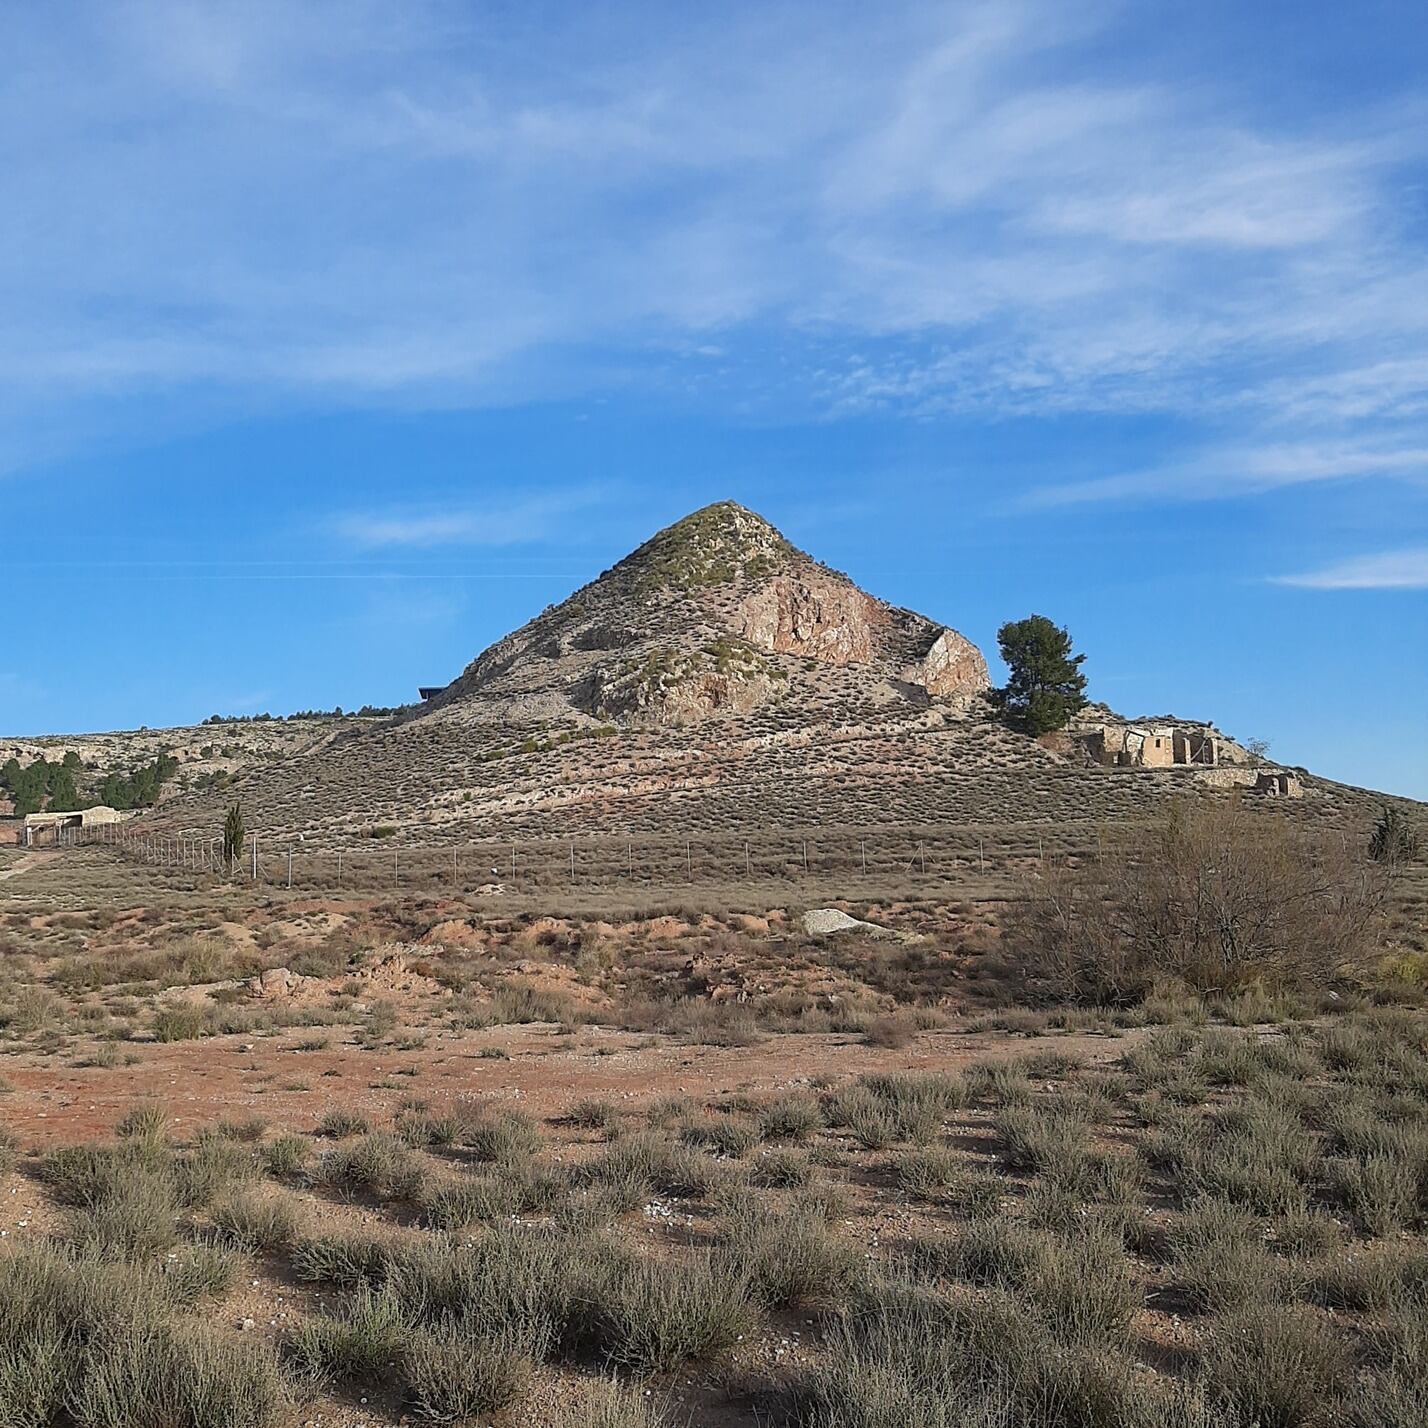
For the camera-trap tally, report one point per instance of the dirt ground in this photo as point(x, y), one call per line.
point(540, 1068)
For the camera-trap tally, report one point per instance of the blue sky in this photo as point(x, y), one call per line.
point(336, 340)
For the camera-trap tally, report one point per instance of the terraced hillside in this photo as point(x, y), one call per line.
point(715, 679)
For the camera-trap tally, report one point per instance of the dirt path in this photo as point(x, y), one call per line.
point(25, 864)
point(536, 1067)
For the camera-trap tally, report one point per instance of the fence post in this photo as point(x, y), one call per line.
point(394, 869)
point(572, 860)
point(455, 876)
point(863, 849)
point(688, 862)
point(748, 860)
point(290, 867)
point(339, 868)
point(253, 859)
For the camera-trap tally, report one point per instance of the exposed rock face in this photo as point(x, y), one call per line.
point(713, 617)
point(716, 646)
point(953, 666)
point(822, 617)
point(684, 701)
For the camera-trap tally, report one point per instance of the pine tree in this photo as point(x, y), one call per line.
point(233, 833)
point(1045, 686)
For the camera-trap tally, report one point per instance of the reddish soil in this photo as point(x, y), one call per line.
point(542, 1068)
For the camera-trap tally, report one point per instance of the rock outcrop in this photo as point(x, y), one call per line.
point(714, 617)
point(953, 667)
point(819, 617)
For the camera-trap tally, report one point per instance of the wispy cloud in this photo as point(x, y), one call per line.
point(1388, 570)
point(1241, 470)
point(445, 203)
point(521, 522)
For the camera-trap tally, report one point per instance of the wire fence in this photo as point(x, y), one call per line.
point(885, 855)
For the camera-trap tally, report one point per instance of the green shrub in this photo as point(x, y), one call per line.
point(790, 1118)
point(642, 1165)
point(251, 1221)
point(1218, 1257)
point(780, 1170)
point(591, 1114)
point(1381, 1192)
point(523, 1189)
point(610, 1404)
point(451, 1377)
point(790, 1259)
point(1276, 1366)
point(506, 1137)
point(286, 1156)
point(200, 1271)
point(721, 1135)
point(515, 1285)
point(654, 1316)
point(345, 1260)
point(365, 1343)
point(378, 1164)
point(146, 1122)
point(160, 1373)
point(340, 1124)
point(210, 1169)
point(181, 1023)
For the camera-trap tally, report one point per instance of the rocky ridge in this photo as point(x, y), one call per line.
point(717, 615)
point(717, 679)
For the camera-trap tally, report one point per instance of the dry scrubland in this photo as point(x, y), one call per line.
point(544, 1106)
point(620, 1155)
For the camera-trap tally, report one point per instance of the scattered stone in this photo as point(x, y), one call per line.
point(826, 921)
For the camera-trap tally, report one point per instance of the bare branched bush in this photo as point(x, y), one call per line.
point(1216, 898)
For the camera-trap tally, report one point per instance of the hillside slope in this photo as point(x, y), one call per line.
point(715, 679)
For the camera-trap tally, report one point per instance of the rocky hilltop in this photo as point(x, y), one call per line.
point(717, 615)
point(718, 680)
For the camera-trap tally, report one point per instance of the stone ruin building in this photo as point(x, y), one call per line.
point(1158, 744)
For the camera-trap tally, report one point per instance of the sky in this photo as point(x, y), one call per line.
point(338, 339)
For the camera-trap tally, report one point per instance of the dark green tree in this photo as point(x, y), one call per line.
point(1045, 686)
point(64, 796)
point(1394, 839)
point(233, 833)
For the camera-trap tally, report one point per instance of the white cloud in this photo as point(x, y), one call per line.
point(440, 203)
point(517, 523)
point(1388, 570)
point(1242, 470)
